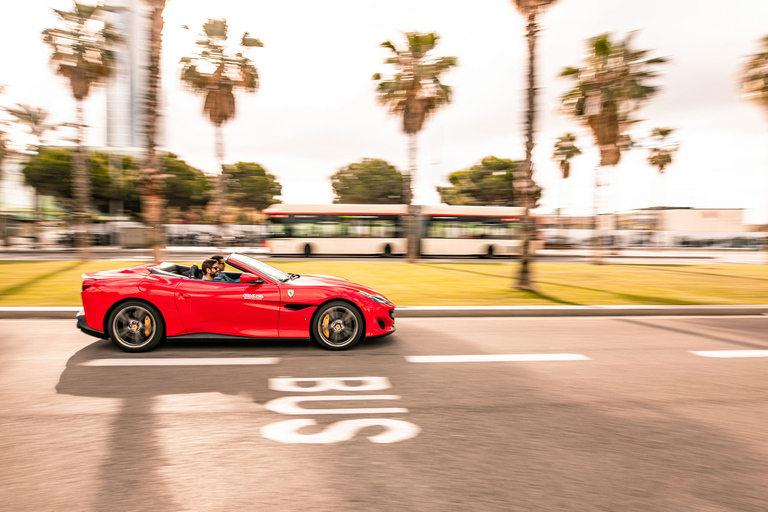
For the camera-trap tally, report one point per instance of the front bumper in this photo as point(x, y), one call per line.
point(83, 326)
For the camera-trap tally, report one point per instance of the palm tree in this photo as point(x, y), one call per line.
point(216, 74)
point(660, 155)
point(565, 150)
point(152, 202)
point(83, 55)
point(35, 120)
point(415, 92)
point(754, 82)
point(662, 150)
point(610, 87)
point(526, 187)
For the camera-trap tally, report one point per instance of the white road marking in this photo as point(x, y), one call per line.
point(490, 358)
point(730, 353)
point(291, 385)
point(288, 431)
point(289, 405)
point(193, 361)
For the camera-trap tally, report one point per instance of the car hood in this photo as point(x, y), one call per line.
point(323, 280)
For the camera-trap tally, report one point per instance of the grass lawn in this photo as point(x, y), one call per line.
point(435, 284)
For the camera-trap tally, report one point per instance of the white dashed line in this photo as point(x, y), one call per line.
point(491, 358)
point(194, 361)
point(730, 353)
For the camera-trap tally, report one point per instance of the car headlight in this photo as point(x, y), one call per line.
point(375, 298)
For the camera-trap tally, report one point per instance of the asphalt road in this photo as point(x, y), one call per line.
point(609, 414)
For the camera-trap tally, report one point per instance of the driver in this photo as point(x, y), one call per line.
point(222, 277)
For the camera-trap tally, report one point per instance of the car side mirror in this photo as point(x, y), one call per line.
point(246, 278)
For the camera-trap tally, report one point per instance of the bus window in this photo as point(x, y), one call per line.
point(327, 229)
point(304, 230)
point(383, 229)
point(277, 230)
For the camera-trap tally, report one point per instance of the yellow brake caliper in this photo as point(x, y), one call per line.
point(326, 321)
point(148, 325)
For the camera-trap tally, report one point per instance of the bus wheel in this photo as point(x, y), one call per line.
point(307, 251)
point(387, 251)
point(489, 252)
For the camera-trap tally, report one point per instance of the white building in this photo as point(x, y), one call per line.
point(127, 88)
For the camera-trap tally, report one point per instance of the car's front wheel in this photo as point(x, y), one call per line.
point(337, 326)
point(136, 326)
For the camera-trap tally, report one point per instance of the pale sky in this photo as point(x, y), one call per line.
point(316, 111)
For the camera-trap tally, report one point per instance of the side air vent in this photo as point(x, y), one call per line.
point(298, 307)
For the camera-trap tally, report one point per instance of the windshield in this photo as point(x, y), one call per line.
point(260, 267)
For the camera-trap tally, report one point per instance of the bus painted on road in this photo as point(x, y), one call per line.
point(359, 229)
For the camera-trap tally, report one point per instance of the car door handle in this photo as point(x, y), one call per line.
point(183, 296)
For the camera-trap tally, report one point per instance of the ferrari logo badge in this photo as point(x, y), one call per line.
point(290, 293)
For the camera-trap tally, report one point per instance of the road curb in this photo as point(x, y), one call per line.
point(46, 313)
point(576, 311)
point(69, 313)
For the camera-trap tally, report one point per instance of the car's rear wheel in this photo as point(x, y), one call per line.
point(337, 326)
point(136, 326)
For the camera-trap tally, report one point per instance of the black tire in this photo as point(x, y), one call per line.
point(337, 326)
point(136, 326)
point(387, 251)
point(307, 251)
point(489, 252)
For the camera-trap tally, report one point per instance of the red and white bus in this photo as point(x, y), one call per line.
point(365, 229)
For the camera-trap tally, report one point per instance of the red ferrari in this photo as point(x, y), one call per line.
point(138, 307)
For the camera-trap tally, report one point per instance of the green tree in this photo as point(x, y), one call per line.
point(528, 191)
point(184, 187)
point(82, 52)
point(370, 181)
point(50, 173)
point(251, 185)
point(489, 183)
point(415, 92)
point(228, 74)
point(609, 88)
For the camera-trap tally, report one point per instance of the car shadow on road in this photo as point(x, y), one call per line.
point(540, 448)
point(131, 471)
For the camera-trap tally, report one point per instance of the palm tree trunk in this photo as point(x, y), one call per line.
point(221, 202)
point(524, 278)
point(597, 253)
point(411, 220)
point(152, 201)
point(81, 190)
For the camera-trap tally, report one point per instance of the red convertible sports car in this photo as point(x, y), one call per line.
point(138, 307)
